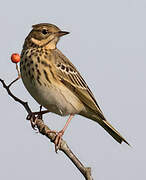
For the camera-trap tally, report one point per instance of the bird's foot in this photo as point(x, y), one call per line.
point(32, 117)
point(58, 139)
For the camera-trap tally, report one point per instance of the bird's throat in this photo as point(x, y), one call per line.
point(48, 44)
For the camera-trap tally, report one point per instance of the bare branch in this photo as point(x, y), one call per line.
point(45, 130)
point(25, 104)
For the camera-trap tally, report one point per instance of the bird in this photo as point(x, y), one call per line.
point(55, 83)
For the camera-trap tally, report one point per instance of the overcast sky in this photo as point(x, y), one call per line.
point(107, 44)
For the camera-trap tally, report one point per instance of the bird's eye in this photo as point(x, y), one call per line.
point(44, 31)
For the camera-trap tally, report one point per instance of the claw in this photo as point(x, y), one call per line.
point(58, 138)
point(32, 119)
point(33, 123)
point(39, 116)
point(35, 115)
point(57, 141)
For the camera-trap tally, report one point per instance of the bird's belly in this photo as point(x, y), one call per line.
point(58, 100)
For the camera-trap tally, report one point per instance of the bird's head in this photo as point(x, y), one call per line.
point(45, 35)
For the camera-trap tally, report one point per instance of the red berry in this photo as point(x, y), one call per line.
point(15, 58)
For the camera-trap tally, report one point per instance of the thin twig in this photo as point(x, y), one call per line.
point(25, 104)
point(45, 130)
point(19, 76)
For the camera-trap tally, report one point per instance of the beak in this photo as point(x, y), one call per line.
point(62, 33)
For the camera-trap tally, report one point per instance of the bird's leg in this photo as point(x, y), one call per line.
point(40, 113)
point(59, 135)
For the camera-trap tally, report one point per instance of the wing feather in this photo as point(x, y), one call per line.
point(72, 79)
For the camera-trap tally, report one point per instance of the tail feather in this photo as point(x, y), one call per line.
point(108, 127)
point(112, 131)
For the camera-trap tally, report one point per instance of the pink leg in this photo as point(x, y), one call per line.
point(60, 133)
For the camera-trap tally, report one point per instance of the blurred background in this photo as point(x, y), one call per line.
point(107, 44)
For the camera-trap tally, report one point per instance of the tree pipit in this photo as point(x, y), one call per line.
point(55, 83)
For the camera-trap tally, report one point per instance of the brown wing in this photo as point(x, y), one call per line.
point(72, 79)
